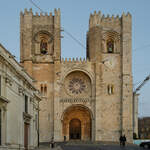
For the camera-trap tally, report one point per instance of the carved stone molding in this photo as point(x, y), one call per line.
point(21, 90)
point(75, 100)
point(27, 117)
point(8, 81)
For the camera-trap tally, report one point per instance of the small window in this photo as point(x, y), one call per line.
point(26, 103)
point(43, 46)
point(110, 89)
point(42, 88)
point(110, 46)
point(45, 90)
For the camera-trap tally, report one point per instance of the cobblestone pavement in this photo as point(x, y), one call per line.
point(91, 147)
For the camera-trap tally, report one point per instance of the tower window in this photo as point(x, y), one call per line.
point(44, 89)
point(43, 46)
point(110, 89)
point(110, 46)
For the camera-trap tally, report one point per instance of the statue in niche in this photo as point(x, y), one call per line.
point(43, 46)
point(110, 46)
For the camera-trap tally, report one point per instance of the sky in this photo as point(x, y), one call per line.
point(74, 19)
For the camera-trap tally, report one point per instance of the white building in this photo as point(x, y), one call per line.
point(19, 105)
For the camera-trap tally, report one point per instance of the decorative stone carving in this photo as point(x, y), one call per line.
point(8, 81)
point(75, 100)
point(21, 90)
point(77, 84)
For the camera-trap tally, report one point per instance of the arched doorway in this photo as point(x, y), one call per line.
point(77, 123)
point(75, 129)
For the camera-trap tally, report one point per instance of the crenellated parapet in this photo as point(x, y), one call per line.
point(74, 60)
point(97, 19)
point(30, 12)
point(42, 17)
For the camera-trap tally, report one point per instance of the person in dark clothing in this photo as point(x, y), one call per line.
point(52, 142)
point(124, 140)
point(121, 140)
point(64, 138)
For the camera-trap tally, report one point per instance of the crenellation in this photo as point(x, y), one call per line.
point(41, 14)
point(36, 14)
point(46, 14)
point(127, 16)
point(25, 11)
point(30, 10)
point(21, 13)
point(108, 17)
point(96, 19)
point(50, 14)
point(103, 17)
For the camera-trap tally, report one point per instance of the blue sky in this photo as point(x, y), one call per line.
point(74, 19)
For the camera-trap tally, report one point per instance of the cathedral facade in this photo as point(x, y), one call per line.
point(83, 99)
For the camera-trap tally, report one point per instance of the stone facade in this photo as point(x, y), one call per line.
point(19, 105)
point(86, 99)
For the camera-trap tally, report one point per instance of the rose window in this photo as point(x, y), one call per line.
point(76, 86)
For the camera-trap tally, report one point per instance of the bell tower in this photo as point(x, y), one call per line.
point(39, 38)
point(40, 52)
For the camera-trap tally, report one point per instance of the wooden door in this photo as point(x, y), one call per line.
point(75, 129)
point(26, 132)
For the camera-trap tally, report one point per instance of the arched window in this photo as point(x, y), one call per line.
point(110, 46)
point(43, 46)
point(110, 89)
point(45, 90)
point(42, 88)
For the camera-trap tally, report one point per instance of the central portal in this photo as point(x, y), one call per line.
point(75, 129)
point(76, 123)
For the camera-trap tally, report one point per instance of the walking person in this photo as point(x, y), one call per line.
point(124, 140)
point(121, 140)
point(52, 144)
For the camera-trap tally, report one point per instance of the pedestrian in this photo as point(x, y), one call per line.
point(124, 140)
point(64, 138)
point(52, 142)
point(121, 140)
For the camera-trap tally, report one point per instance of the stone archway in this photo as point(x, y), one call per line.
point(77, 123)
